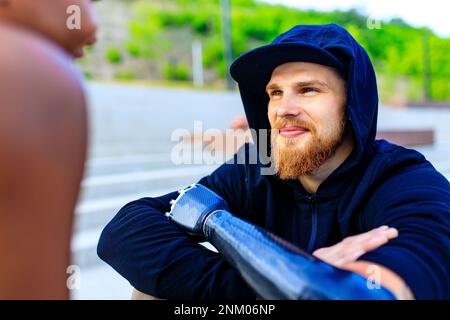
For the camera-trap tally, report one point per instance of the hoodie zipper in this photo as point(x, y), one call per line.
point(313, 215)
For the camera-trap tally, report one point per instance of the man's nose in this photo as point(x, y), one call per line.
point(289, 107)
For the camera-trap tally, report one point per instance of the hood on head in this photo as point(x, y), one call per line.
point(329, 45)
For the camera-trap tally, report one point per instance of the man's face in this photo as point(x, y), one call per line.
point(307, 116)
point(49, 18)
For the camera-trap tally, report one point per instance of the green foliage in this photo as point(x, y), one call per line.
point(125, 75)
point(88, 75)
point(133, 49)
point(177, 72)
point(396, 49)
point(145, 29)
point(213, 52)
point(113, 55)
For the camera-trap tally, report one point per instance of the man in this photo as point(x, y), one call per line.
point(334, 192)
point(43, 137)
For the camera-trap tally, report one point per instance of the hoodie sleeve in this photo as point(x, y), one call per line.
point(417, 203)
point(159, 259)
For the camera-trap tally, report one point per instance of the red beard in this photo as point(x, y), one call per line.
point(294, 158)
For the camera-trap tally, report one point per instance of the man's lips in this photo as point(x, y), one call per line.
point(292, 131)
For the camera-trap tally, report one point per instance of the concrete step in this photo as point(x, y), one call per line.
point(84, 248)
point(442, 166)
point(101, 282)
point(106, 194)
point(127, 163)
point(435, 153)
point(98, 212)
point(118, 184)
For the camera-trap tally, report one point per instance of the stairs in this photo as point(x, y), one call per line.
point(112, 182)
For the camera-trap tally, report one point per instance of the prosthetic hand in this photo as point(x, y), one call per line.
point(274, 268)
point(193, 206)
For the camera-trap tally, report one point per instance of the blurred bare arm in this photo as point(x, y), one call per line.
point(43, 133)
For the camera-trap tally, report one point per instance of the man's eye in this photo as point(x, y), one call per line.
point(308, 90)
point(276, 93)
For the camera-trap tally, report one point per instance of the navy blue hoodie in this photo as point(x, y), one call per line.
point(379, 184)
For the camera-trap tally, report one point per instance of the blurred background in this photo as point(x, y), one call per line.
point(160, 65)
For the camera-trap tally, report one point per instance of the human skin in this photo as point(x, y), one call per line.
point(49, 18)
point(43, 139)
point(313, 94)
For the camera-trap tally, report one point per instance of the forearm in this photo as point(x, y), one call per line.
point(279, 270)
point(159, 259)
point(274, 268)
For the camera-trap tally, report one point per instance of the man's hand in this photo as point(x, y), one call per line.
point(344, 255)
point(194, 204)
point(351, 248)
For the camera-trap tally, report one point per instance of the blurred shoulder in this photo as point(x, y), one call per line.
point(43, 107)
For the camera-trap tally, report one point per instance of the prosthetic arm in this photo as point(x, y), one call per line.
point(274, 268)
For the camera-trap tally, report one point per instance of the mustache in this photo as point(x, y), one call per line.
point(280, 123)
